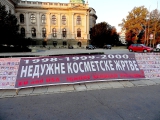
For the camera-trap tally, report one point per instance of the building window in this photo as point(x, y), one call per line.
point(78, 20)
point(64, 32)
point(54, 19)
point(33, 32)
point(78, 32)
point(33, 19)
point(43, 18)
point(23, 32)
point(54, 43)
point(43, 32)
point(64, 42)
point(54, 32)
point(21, 18)
point(64, 20)
point(79, 44)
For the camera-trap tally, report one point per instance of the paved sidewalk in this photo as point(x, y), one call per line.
point(77, 87)
point(51, 52)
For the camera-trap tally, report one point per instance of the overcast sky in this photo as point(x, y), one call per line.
point(113, 11)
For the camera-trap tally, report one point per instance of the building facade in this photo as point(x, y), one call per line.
point(10, 5)
point(122, 37)
point(57, 24)
point(92, 17)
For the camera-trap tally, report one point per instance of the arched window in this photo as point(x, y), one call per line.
point(64, 20)
point(54, 32)
point(54, 43)
point(21, 18)
point(23, 32)
point(78, 20)
point(33, 19)
point(33, 31)
point(79, 44)
point(64, 42)
point(43, 18)
point(64, 32)
point(78, 32)
point(9, 11)
point(44, 32)
point(54, 19)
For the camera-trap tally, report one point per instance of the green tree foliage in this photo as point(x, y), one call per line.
point(103, 33)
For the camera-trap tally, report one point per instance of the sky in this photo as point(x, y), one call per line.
point(113, 11)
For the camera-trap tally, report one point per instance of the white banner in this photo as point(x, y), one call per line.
point(8, 72)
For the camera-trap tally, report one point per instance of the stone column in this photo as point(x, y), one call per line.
point(38, 31)
point(27, 21)
point(59, 23)
point(59, 26)
point(18, 17)
point(38, 24)
point(86, 23)
point(87, 27)
point(72, 23)
point(27, 18)
point(49, 23)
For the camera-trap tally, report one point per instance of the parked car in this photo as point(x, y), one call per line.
point(91, 47)
point(107, 47)
point(70, 47)
point(94, 46)
point(158, 47)
point(139, 48)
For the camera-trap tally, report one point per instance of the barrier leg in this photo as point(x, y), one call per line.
point(17, 90)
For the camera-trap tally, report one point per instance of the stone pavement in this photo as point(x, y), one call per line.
point(46, 52)
point(77, 87)
point(53, 52)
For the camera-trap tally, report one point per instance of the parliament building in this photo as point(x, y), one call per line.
point(59, 24)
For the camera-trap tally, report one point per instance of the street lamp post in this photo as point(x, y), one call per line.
point(147, 26)
point(151, 38)
point(145, 35)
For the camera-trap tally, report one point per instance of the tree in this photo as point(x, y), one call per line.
point(3, 19)
point(140, 24)
point(134, 24)
point(9, 32)
point(8, 26)
point(154, 27)
point(103, 33)
point(114, 37)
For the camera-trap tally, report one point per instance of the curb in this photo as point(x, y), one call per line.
point(47, 90)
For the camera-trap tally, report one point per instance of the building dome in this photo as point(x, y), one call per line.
point(77, 1)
